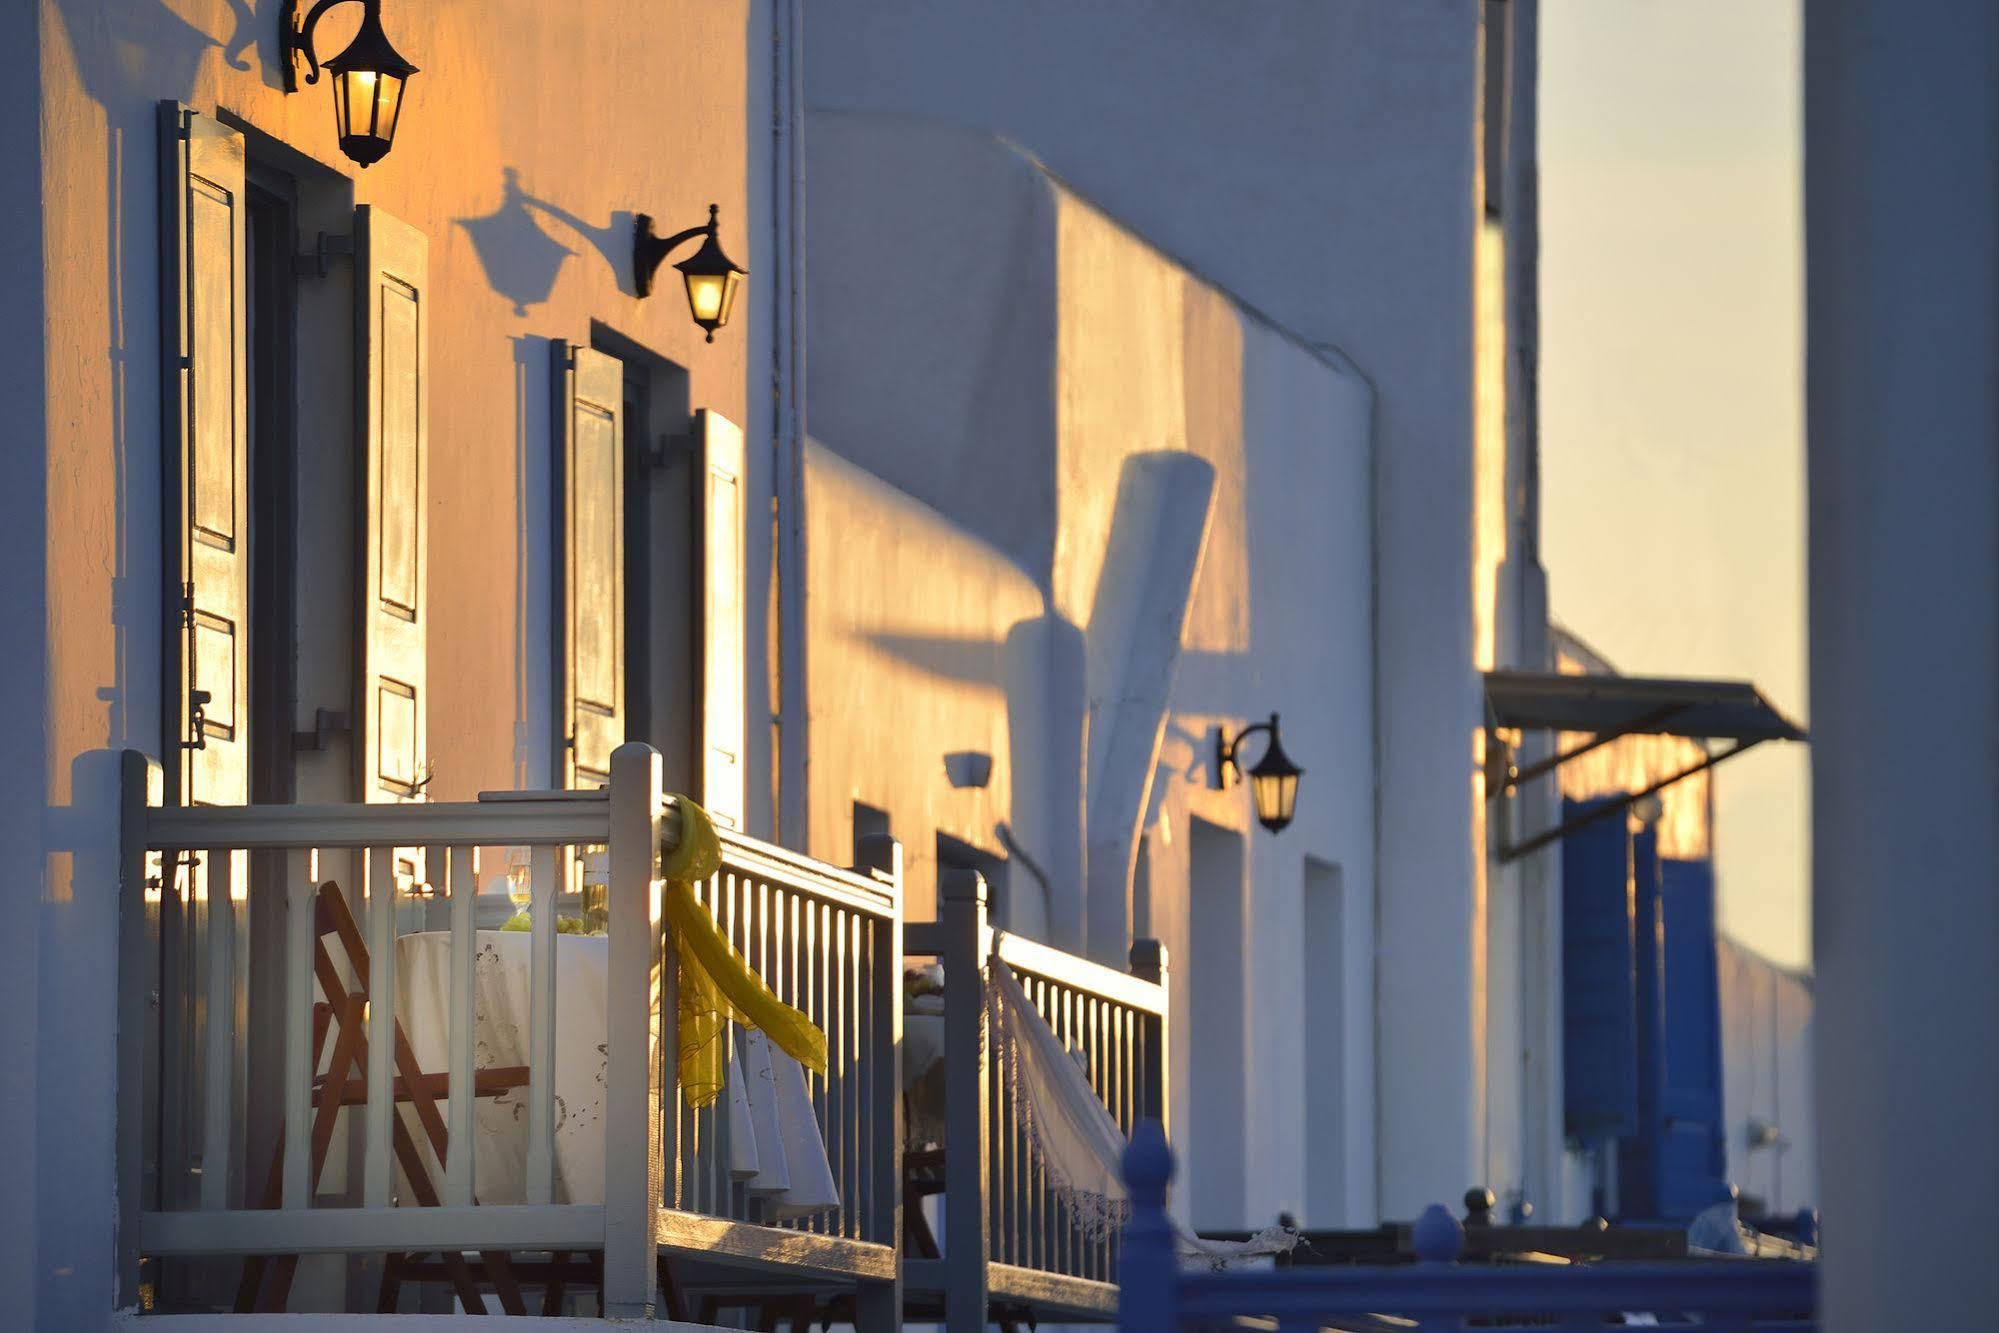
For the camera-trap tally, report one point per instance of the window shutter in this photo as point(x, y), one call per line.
point(1694, 1147)
point(1599, 980)
point(204, 454)
point(590, 522)
point(724, 726)
point(392, 355)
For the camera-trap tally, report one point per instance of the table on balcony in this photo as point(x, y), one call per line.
point(501, 999)
point(775, 1144)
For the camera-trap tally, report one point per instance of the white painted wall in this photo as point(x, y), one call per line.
point(1902, 332)
point(994, 361)
point(1766, 1052)
point(1317, 157)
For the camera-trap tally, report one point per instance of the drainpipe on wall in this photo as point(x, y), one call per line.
point(1540, 803)
point(788, 388)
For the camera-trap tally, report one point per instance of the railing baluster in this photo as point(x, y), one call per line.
point(219, 1034)
point(836, 1065)
point(815, 1008)
point(378, 1165)
point(461, 873)
point(1037, 1248)
point(784, 954)
point(1070, 1234)
point(543, 864)
point(176, 982)
point(864, 1052)
point(300, 870)
point(747, 895)
point(1105, 1081)
point(850, 1047)
point(999, 1173)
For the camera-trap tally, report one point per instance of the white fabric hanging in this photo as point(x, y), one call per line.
point(812, 1189)
point(788, 1166)
point(743, 1155)
point(760, 1090)
point(1078, 1143)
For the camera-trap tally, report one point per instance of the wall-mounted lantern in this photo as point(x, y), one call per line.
point(711, 276)
point(1273, 780)
point(369, 77)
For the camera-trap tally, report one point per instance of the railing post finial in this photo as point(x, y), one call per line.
point(1148, 960)
point(1438, 1237)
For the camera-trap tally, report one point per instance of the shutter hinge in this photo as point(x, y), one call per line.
point(319, 262)
point(187, 606)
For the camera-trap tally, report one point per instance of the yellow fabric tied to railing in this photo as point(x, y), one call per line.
point(716, 986)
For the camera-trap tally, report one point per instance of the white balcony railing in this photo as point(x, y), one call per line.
point(1009, 1243)
point(245, 1142)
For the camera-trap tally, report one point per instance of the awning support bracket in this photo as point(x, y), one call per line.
point(1514, 851)
point(1649, 722)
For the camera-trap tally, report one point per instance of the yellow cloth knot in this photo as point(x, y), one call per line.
point(716, 985)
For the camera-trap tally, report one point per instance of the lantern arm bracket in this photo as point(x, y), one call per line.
point(650, 251)
point(295, 38)
point(1225, 748)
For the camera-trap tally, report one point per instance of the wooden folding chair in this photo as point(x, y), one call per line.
point(344, 1009)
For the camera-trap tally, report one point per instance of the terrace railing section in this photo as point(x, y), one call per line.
point(1158, 1295)
point(225, 999)
point(1007, 1237)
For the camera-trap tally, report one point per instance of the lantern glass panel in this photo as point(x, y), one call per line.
point(730, 282)
point(707, 294)
point(1276, 797)
point(366, 106)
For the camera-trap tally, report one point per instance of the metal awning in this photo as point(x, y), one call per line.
point(1630, 706)
point(1606, 708)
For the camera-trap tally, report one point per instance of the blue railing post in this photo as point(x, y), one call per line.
point(1438, 1238)
point(1146, 1272)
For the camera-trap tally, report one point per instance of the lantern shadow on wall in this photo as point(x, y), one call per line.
point(522, 260)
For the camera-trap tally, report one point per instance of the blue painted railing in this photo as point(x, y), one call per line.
point(1157, 1296)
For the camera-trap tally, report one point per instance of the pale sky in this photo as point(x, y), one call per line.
point(1672, 349)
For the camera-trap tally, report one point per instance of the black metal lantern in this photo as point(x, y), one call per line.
point(1273, 779)
point(370, 77)
point(711, 276)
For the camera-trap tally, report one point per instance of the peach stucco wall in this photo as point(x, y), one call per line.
point(531, 135)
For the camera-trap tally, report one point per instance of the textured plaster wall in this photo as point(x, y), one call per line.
point(1766, 1051)
point(905, 610)
point(1080, 365)
point(1317, 158)
point(529, 138)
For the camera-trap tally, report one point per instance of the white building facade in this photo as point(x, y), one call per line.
point(1166, 368)
point(1362, 176)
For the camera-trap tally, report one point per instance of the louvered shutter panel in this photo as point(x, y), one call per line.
point(204, 450)
point(392, 329)
point(1694, 1146)
point(590, 515)
point(1599, 980)
point(724, 726)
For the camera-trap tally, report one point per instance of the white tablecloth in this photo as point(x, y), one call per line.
point(775, 1142)
point(500, 998)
